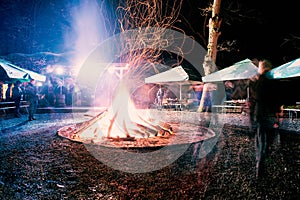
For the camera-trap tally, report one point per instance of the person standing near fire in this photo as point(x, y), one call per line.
point(33, 98)
point(160, 96)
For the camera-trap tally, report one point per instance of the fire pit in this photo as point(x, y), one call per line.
point(150, 134)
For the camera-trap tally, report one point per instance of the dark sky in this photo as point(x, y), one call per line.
point(266, 37)
point(30, 26)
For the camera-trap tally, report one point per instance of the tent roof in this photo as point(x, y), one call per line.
point(13, 72)
point(238, 71)
point(287, 70)
point(35, 76)
point(10, 73)
point(174, 75)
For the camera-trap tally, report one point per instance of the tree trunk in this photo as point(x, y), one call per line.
point(214, 31)
point(209, 65)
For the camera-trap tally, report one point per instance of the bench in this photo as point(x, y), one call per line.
point(10, 105)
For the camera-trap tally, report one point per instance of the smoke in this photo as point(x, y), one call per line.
point(88, 29)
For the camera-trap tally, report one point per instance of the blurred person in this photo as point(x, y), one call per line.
point(160, 96)
point(32, 98)
point(208, 101)
point(240, 90)
point(8, 92)
point(198, 90)
point(229, 88)
point(48, 97)
point(69, 94)
point(279, 113)
point(17, 97)
point(263, 105)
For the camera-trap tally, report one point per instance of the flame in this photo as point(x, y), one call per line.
point(122, 125)
point(123, 120)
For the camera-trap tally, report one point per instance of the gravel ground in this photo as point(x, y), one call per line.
point(36, 163)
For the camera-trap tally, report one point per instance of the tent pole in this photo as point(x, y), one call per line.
point(248, 95)
point(180, 92)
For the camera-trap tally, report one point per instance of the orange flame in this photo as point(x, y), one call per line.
point(123, 120)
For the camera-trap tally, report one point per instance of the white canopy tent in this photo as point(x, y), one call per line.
point(12, 73)
point(35, 76)
point(241, 70)
point(244, 69)
point(9, 73)
point(176, 75)
point(288, 70)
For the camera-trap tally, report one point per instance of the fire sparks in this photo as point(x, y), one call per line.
point(141, 49)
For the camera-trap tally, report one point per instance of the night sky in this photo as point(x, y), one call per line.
point(31, 26)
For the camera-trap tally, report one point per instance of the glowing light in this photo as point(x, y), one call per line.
point(118, 68)
point(111, 70)
point(39, 84)
point(59, 71)
point(49, 69)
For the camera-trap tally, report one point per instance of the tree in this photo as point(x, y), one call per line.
point(209, 65)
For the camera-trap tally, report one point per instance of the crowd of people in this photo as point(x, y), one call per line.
point(28, 92)
point(53, 89)
point(195, 92)
point(42, 96)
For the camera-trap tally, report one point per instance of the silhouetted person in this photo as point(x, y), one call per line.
point(8, 93)
point(32, 97)
point(17, 97)
point(228, 90)
point(263, 95)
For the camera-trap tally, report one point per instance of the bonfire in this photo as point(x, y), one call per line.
point(122, 125)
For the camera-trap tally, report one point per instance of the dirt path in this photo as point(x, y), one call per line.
point(38, 164)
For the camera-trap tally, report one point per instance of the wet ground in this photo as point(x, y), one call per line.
point(36, 163)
